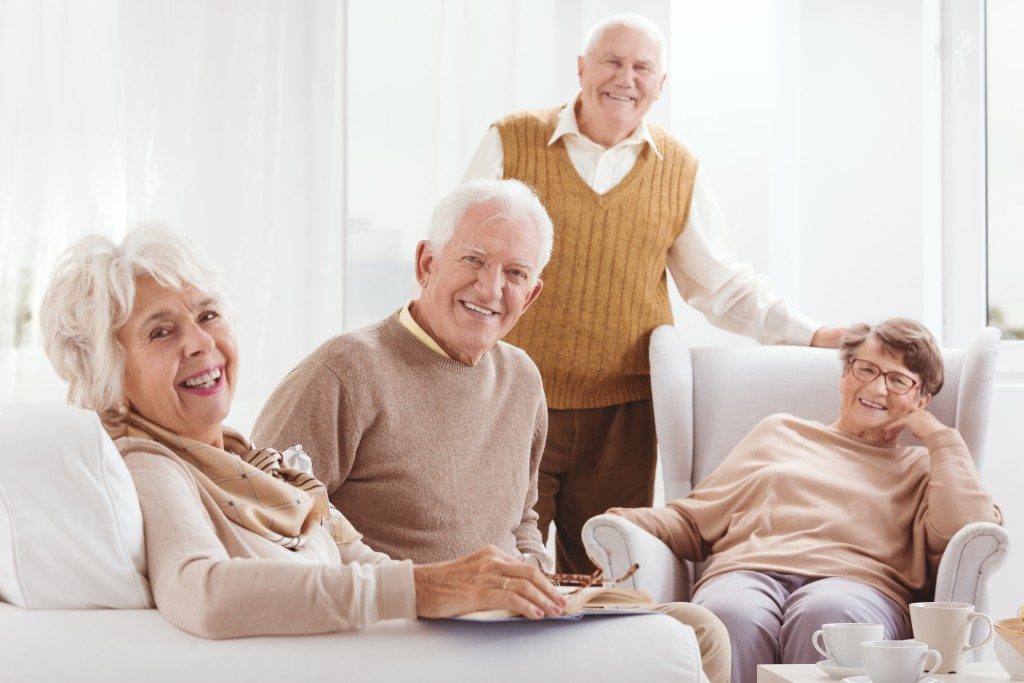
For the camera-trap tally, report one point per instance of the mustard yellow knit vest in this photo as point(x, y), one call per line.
point(605, 288)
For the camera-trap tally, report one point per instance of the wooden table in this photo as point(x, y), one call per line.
point(982, 672)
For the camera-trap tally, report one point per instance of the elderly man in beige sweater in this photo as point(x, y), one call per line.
point(426, 428)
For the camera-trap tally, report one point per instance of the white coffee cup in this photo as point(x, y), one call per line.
point(946, 627)
point(898, 661)
point(842, 642)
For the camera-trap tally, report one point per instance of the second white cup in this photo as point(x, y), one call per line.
point(842, 642)
point(899, 661)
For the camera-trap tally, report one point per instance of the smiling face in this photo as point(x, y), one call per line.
point(868, 407)
point(620, 78)
point(180, 361)
point(475, 289)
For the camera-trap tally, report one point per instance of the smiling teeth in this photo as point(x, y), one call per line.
point(205, 380)
point(872, 404)
point(477, 308)
point(620, 98)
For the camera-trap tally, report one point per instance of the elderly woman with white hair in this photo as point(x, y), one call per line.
point(805, 523)
point(237, 542)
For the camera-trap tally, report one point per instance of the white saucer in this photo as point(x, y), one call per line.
point(865, 679)
point(838, 672)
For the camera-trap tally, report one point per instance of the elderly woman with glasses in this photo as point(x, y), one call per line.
point(238, 543)
point(805, 523)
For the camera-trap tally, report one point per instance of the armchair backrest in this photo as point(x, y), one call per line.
point(707, 399)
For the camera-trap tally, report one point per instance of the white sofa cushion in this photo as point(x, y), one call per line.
point(139, 645)
point(70, 523)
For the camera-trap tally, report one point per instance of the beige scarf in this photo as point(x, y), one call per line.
point(253, 486)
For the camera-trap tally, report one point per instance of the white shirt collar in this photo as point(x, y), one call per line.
point(567, 125)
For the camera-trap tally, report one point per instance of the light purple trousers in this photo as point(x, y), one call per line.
point(771, 617)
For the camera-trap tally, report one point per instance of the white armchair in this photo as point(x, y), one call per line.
point(707, 399)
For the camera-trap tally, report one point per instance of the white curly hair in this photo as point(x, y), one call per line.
point(91, 295)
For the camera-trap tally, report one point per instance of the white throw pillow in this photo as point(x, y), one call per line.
point(70, 523)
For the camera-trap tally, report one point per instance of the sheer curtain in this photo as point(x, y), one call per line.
point(223, 119)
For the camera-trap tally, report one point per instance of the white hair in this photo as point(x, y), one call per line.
point(91, 295)
point(637, 22)
point(515, 200)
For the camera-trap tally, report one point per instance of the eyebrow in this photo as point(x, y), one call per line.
point(166, 313)
point(477, 250)
point(643, 62)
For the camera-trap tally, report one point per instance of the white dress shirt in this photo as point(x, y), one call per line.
point(702, 260)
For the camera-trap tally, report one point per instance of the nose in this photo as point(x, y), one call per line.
point(624, 76)
point(878, 386)
point(490, 281)
point(198, 341)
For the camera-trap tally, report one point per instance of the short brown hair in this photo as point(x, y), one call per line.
point(906, 339)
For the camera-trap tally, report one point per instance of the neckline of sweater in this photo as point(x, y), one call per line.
point(411, 343)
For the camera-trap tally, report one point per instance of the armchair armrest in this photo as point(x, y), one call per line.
point(971, 558)
point(614, 543)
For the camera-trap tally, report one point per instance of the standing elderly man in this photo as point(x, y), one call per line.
point(426, 429)
point(627, 200)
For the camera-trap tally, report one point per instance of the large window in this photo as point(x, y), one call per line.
point(1005, 143)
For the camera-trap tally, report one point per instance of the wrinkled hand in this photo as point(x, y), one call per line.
point(484, 579)
point(828, 337)
point(919, 421)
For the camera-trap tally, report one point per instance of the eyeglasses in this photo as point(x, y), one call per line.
point(584, 580)
point(895, 382)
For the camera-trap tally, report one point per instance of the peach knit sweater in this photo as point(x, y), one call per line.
point(798, 497)
point(216, 579)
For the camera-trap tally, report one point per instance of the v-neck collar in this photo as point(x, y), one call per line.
point(566, 168)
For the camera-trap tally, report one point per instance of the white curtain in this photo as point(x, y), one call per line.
point(222, 118)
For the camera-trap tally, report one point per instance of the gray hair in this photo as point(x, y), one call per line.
point(91, 295)
point(906, 339)
point(637, 22)
point(515, 200)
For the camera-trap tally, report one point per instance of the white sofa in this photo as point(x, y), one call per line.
point(707, 399)
point(76, 604)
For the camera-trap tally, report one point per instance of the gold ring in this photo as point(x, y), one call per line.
point(504, 586)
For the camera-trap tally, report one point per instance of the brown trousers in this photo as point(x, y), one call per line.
point(594, 459)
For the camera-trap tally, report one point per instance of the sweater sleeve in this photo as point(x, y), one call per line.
point(528, 537)
point(954, 496)
point(692, 525)
point(310, 407)
point(199, 588)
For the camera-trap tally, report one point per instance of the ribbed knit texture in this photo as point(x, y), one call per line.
point(605, 288)
point(429, 458)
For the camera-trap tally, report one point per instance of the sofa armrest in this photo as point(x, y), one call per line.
point(971, 558)
point(614, 544)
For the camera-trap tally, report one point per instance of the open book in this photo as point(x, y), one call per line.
point(583, 602)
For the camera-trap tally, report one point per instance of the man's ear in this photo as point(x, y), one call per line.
point(424, 263)
point(534, 293)
point(579, 68)
point(661, 85)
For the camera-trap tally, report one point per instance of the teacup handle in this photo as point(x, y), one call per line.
point(988, 639)
point(823, 649)
point(929, 669)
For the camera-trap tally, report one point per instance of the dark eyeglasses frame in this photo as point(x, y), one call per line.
point(885, 376)
point(585, 580)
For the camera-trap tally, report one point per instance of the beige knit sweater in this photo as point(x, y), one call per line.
point(429, 458)
point(798, 497)
point(216, 579)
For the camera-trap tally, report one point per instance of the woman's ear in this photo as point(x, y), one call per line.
point(923, 400)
